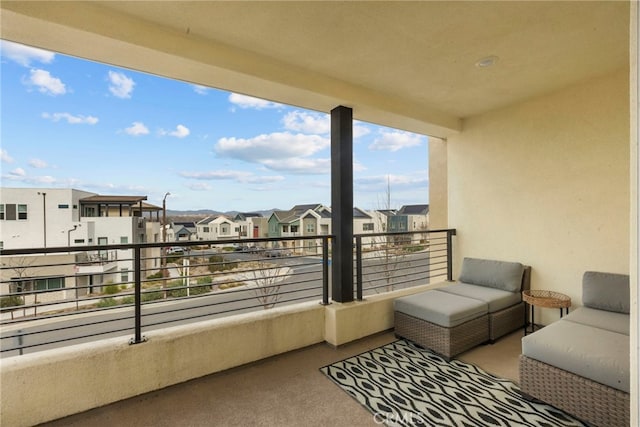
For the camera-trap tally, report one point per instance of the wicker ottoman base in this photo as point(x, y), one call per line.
point(505, 321)
point(447, 342)
point(592, 402)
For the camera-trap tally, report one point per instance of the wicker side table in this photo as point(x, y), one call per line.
point(547, 299)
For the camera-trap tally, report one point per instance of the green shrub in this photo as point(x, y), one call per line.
point(107, 302)
point(152, 296)
point(128, 300)
point(197, 290)
point(12, 301)
point(157, 275)
point(111, 289)
point(204, 280)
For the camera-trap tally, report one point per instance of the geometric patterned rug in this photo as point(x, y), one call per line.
point(402, 384)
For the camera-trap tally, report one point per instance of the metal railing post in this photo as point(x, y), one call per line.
point(450, 234)
point(137, 277)
point(359, 268)
point(325, 270)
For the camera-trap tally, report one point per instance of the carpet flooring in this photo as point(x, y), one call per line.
point(402, 384)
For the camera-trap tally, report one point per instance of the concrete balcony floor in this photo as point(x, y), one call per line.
point(284, 390)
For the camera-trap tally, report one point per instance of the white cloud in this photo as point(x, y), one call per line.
point(299, 165)
point(71, 119)
point(5, 157)
point(317, 123)
point(274, 146)
point(231, 175)
point(180, 132)
point(216, 175)
point(121, 86)
point(200, 90)
point(244, 101)
point(18, 172)
point(137, 129)
point(302, 121)
point(379, 183)
point(360, 130)
point(396, 140)
point(37, 163)
point(25, 55)
point(200, 186)
point(45, 82)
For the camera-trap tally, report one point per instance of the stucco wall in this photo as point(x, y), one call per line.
point(95, 374)
point(546, 183)
point(98, 373)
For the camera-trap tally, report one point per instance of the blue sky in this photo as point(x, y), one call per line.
point(71, 123)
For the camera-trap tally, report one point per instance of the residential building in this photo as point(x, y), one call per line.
point(409, 218)
point(181, 231)
point(52, 217)
point(217, 228)
point(252, 225)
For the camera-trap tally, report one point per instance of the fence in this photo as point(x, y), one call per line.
point(52, 297)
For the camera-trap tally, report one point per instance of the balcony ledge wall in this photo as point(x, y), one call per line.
point(96, 374)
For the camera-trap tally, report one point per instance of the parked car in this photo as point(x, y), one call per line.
point(175, 250)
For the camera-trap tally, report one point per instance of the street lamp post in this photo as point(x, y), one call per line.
point(164, 239)
point(164, 217)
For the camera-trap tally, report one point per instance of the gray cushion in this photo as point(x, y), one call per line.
point(495, 274)
point(606, 291)
point(608, 320)
point(599, 355)
point(441, 308)
point(496, 299)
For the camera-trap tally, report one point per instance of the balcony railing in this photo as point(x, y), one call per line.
point(50, 299)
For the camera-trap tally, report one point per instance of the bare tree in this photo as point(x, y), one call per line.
point(20, 267)
point(389, 254)
point(265, 279)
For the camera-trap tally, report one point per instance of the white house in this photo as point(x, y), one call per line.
point(217, 228)
point(52, 217)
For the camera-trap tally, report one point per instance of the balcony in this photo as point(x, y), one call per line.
point(534, 157)
point(258, 306)
point(283, 390)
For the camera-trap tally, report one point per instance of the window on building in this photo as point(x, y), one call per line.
point(1, 212)
point(205, 229)
point(294, 228)
point(124, 240)
point(124, 275)
point(367, 226)
point(47, 283)
point(285, 228)
point(224, 228)
point(311, 228)
point(77, 241)
point(63, 206)
point(22, 211)
point(30, 285)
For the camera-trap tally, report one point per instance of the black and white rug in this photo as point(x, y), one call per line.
point(402, 384)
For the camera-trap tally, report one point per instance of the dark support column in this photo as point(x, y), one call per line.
point(342, 204)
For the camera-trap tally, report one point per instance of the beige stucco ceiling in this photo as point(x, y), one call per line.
point(405, 64)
